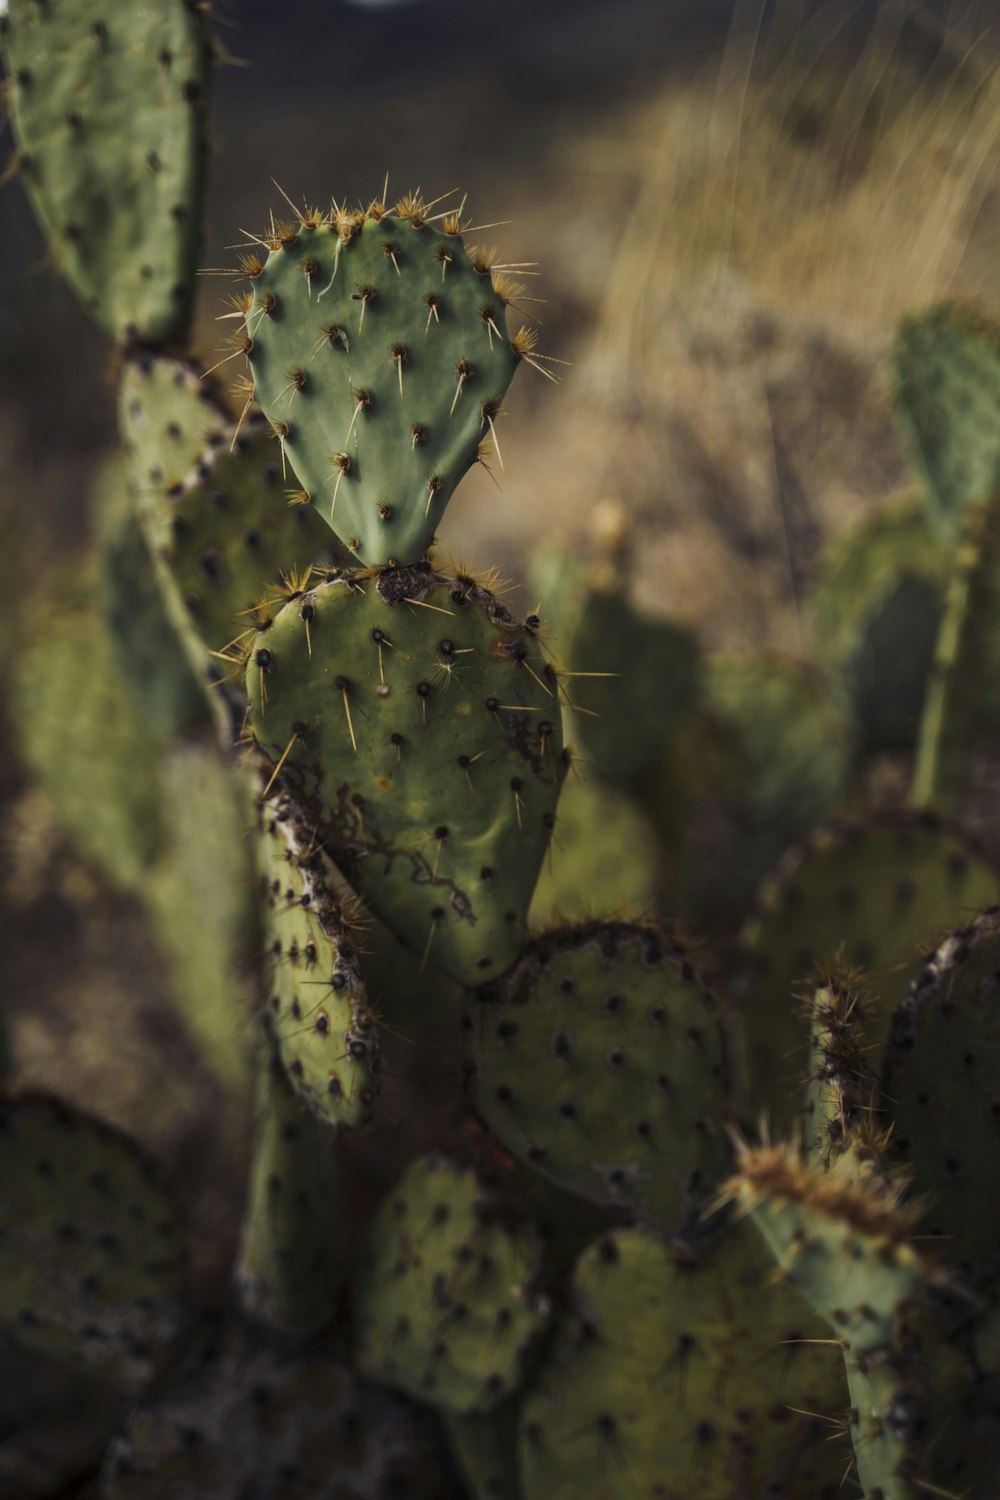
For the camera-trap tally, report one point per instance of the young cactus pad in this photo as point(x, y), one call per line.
point(379, 351)
point(92, 1261)
point(417, 725)
point(842, 1246)
point(447, 1307)
point(600, 1059)
point(252, 1422)
point(317, 1011)
point(108, 106)
point(678, 1375)
point(946, 363)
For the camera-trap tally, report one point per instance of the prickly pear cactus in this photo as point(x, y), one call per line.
point(293, 1253)
point(485, 1449)
point(92, 1260)
point(638, 676)
point(199, 899)
point(447, 1305)
point(417, 724)
point(876, 608)
point(604, 859)
point(379, 351)
point(316, 1012)
point(870, 894)
point(942, 1076)
point(150, 657)
point(681, 1372)
point(253, 1421)
point(84, 739)
point(845, 1251)
point(946, 364)
point(794, 748)
point(601, 1060)
point(843, 1085)
point(108, 106)
point(171, 412)
point(219, 517)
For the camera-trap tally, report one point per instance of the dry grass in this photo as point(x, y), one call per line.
point(786, 209)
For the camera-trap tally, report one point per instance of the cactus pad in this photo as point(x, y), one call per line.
point(600, 1059)
point(604, 859)
point(231, 533)
point(942, 1076)
point(293, 1257)
point(874, 894)
point(91, 1255)
point(292, 1427)
point(317, 1012)
point(149, 654)
point(446, 1307)
point(794, 748)
point(641, 675)
point(379, 351)
point(875, 608)
point(198, 897)
point(678, 1375)
point(838, 1238)
point(170, 413)
point(85, 741)
point(108, 104)
point(485, 1450)
point(946, 363)
point(418, 727)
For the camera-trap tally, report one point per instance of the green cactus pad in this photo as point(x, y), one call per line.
point(293, 1255)
point(946, 364)
point(601, 1060)
point(875, 894)
point(446, 1306)
point(942, 1076)
point(253, 1422)
point(603, 860)
point(92, 1263)
point(485, 1450)
point(418, 725)
point(795, 749)
point(108, 105)
point(150, 656)
point(922, 1418)
point(317, 1011)
point(841, 1243)
point(875, 609)
point(842, 1246)
point(679, 1375)
point(170, 414)
point(379, 351)
point(234, 535)
point(199, 900)
point(641, 675)
point(961, 718)
point(85, 740)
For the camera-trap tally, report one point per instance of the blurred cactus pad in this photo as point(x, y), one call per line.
point(469, 1044)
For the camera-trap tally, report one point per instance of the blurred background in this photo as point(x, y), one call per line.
point(723, 208)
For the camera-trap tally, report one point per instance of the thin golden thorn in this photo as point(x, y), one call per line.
point(274, 774)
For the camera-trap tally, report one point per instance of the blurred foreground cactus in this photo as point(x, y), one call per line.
point(699, 1215)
